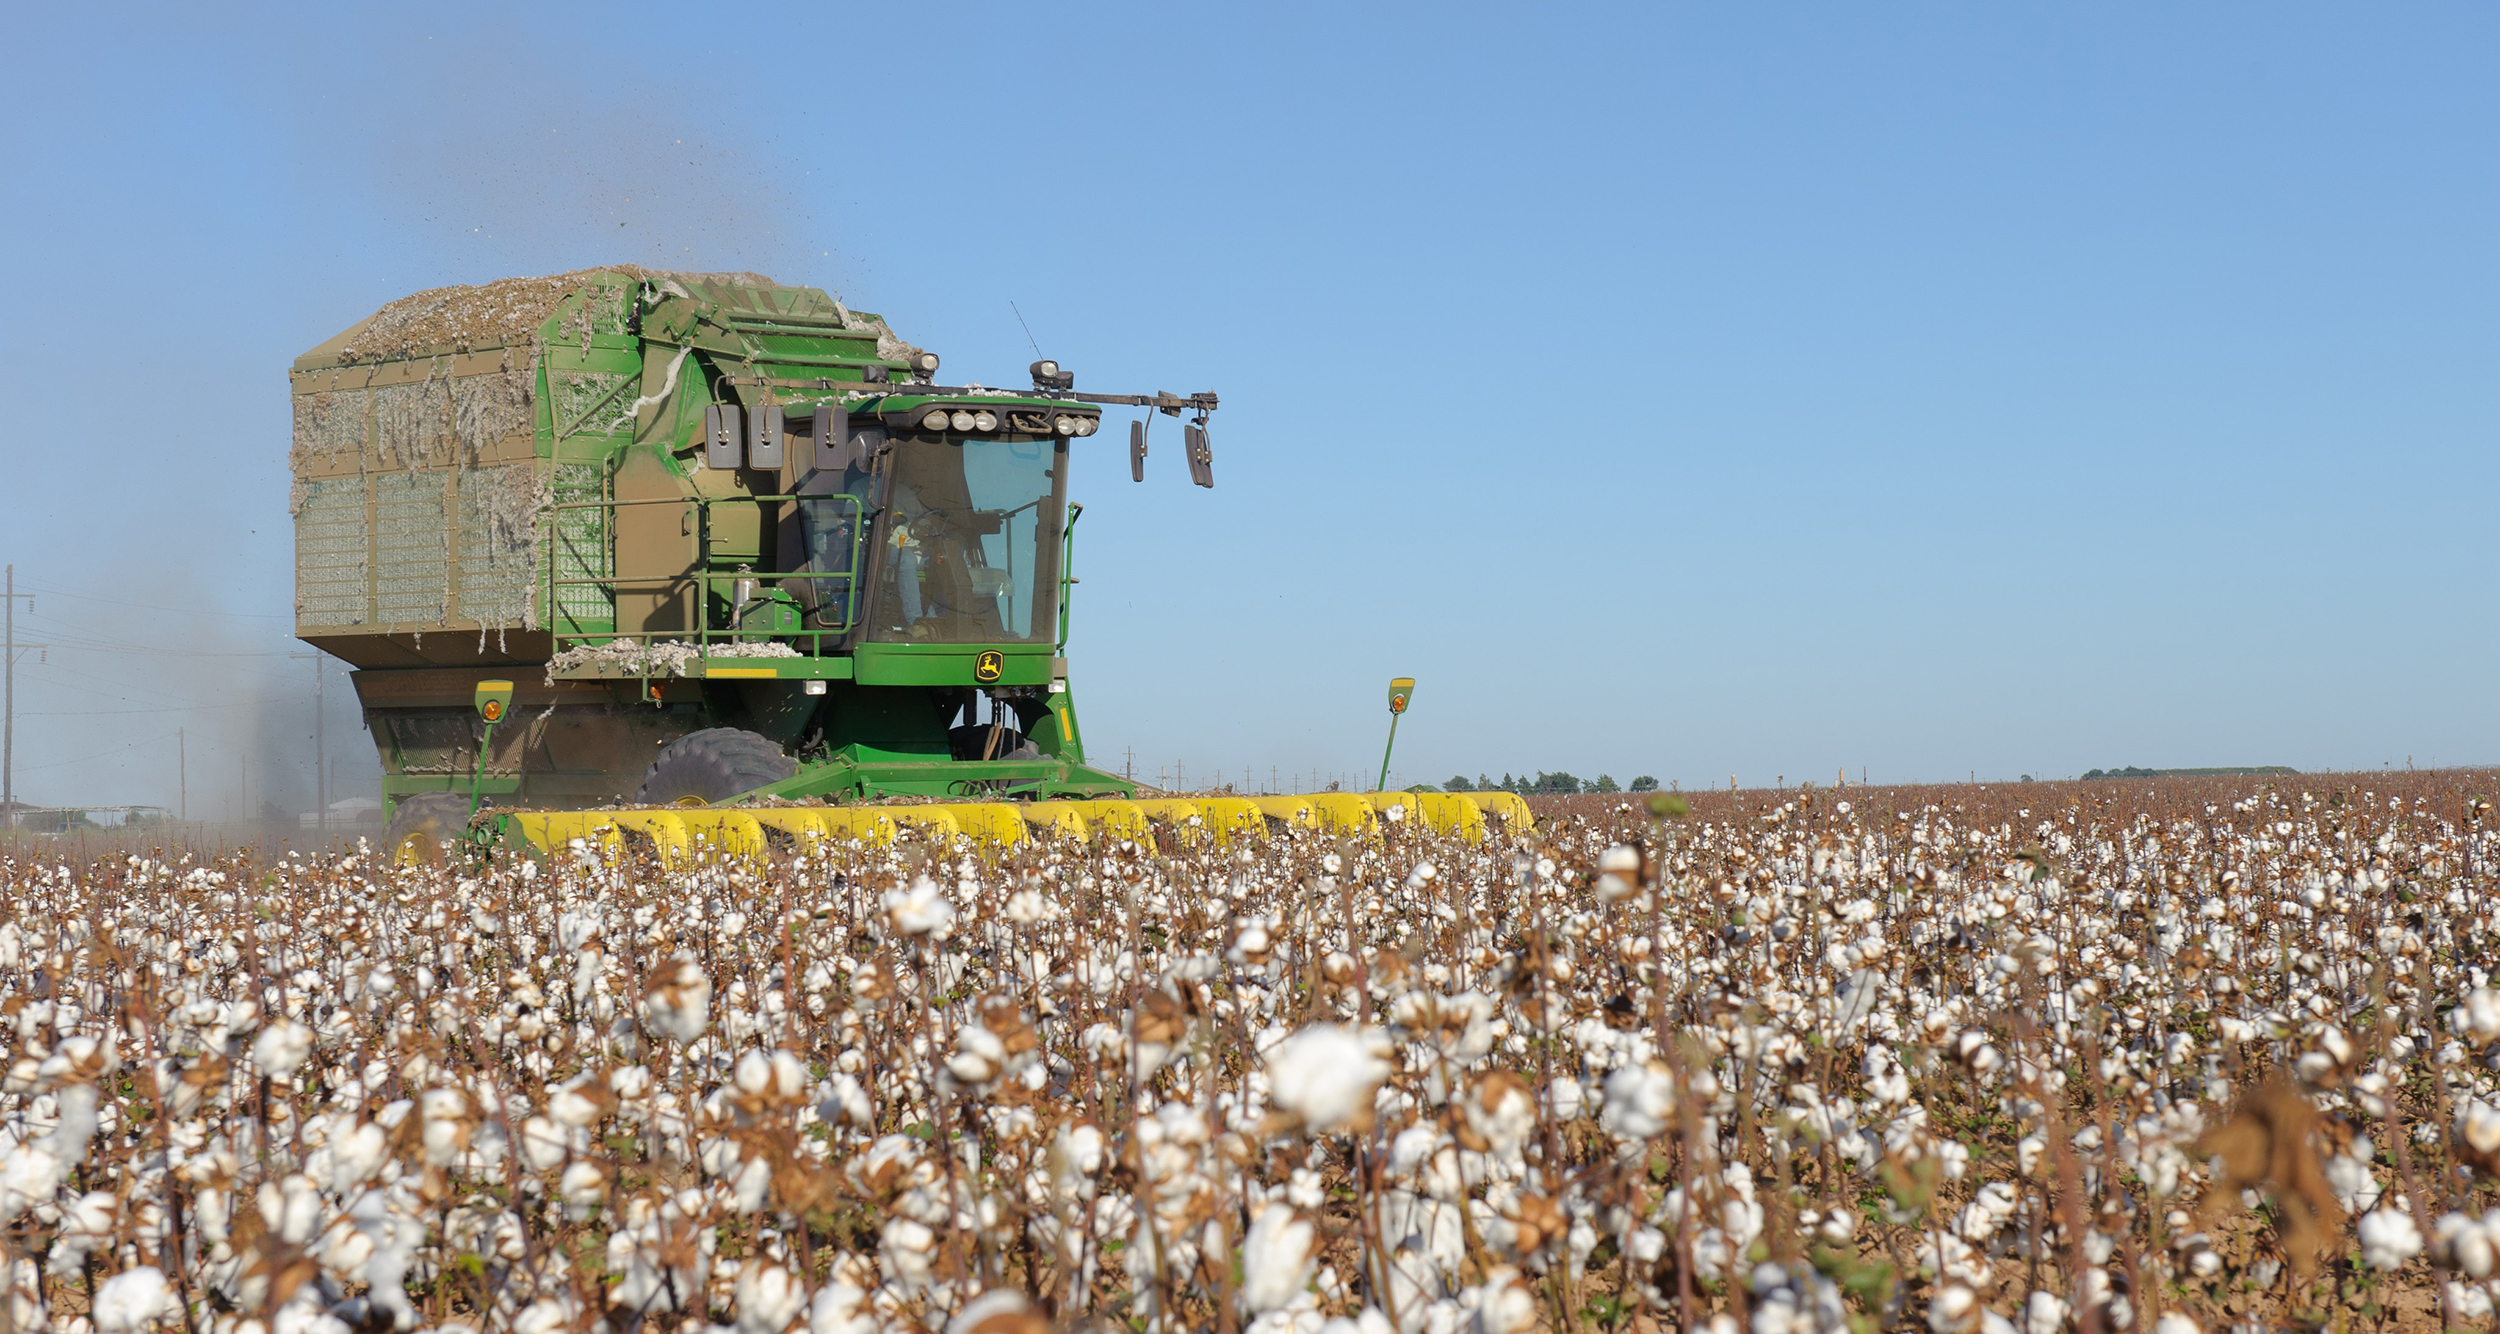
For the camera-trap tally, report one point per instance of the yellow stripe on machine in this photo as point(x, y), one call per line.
point(1448, 814)
point(1510, 807)
point(1343, 812)
point(551, 830)
point(999, 822)
point(931, 821)
point(726, 833)
point(666, 832)
point(1169, 810)
point(741, 674)
point(1295, 811)
point(1232, 817)
point(1114, 818)
point(1059, 817)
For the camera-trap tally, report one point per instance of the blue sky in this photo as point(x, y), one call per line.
point(1692, 391)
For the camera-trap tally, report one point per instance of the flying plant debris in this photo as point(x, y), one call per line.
point(1813, 1065)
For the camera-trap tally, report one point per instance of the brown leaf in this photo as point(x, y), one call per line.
point(2270, 1141)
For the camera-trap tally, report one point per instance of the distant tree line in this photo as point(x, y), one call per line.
point(2132, 771)
point(1547, 784)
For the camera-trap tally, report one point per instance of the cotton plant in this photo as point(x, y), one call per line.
point(2146, 1060)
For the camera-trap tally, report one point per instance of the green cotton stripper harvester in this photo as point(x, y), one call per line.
point(749, 568)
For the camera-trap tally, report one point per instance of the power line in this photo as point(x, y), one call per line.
point(143, 741)
point(141, 606)
point(119, 713)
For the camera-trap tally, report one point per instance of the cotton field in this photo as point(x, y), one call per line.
point(2060, 1057)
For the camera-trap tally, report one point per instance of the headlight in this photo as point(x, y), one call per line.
point(1087, 425)
point(1065, 425)
point(962, 419)
point(935, 421)
point(985, 420)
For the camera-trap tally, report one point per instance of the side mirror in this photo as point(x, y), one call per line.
point(764, 428)
point(1137, 450)
point(720, 436)
point(1201, 454)
point(829, 443)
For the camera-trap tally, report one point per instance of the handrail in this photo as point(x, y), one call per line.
point(565, 628)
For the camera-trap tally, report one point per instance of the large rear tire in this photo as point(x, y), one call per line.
point(712, 765)
point(424, 828)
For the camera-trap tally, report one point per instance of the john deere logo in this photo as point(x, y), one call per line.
point(988, 666)
point(492, 710)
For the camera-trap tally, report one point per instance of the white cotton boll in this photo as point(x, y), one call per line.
point(583, 1185)
point(2045, 1313)
point(979, 1055)
point(357, 1155)
point(1369, 1320)
point(845, 1100)
point(2349, 1176)
point(2028, 1153)
point(1412, 1149)
point(1276, 1259)
point(2482, 1014)
point(549, 1315)
point(2472, 1301)
point(2337, 1045)
point(768, 1298)
point(2471, 1245)
point(753, 1073)
point(1639, 1100)
point(282, 1048)
point(133, 1299)
point(570, 1107)
point(678, 1004)
point(919, 910)
point(1504, 1305)
point(2388, 1238)
point(1567, 1098)
point(1955, 1310)
point(1302, 1189)
point(291, 1207)
point(2479, 1127)
point(544, 1144)
point(1325, 1075)
point(2172, 1322)
point(841, 1308)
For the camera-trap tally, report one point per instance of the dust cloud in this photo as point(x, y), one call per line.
point(503, 158)
point(150, 694)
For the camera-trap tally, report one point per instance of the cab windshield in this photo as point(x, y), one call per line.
point(969, 544)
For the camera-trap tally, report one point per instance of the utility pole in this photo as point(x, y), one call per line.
point(9, 649)
point(321, 748)
point(182, 772)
